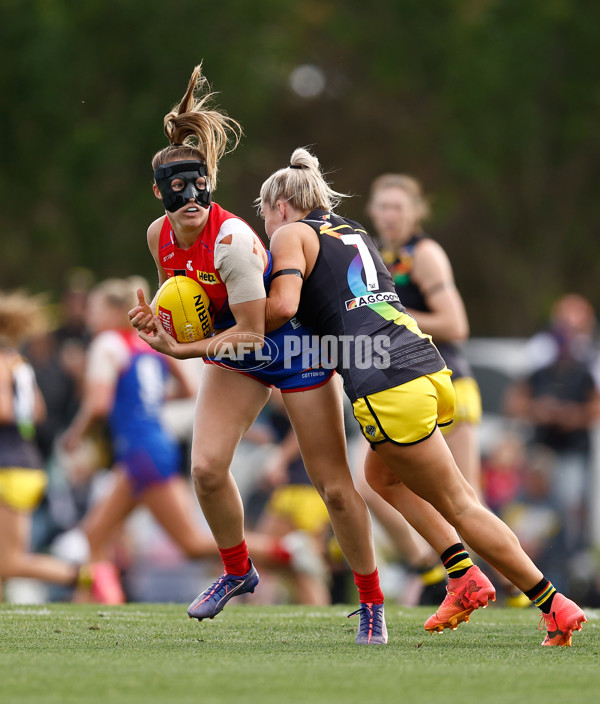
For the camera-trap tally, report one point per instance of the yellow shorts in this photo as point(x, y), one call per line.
point(22, 489)
point(408, 413)
point(302, 505)
point(468, 403)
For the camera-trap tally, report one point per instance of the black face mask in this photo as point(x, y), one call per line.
point(188, 172)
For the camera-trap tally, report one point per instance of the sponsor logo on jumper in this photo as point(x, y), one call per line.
point(207, 277)
point(370, 298)
point(203, 315)
point(166, 259)
point(189, 265)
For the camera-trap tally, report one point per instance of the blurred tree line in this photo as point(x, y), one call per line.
point(493, 104)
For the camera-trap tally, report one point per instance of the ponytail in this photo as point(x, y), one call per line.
point(301, 184)
point(196, 131)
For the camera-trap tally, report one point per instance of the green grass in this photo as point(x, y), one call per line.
point(63, 653)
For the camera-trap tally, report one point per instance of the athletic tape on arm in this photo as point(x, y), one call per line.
point(241, 266)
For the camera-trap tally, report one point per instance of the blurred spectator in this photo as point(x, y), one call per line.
point(519, 487)
point(58, 358)
point(502, 470)
point(559, 403)
point(572, 322)
point(57, 387)
point(74, 298)
point(535, 516)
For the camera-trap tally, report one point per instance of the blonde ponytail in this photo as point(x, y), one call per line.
point(301, 184)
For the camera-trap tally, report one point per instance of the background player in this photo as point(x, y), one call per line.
point(424, 282)
point(23, 479)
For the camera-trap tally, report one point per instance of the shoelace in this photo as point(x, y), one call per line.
point(375, 614)
point(220, 586)
point(542, 624)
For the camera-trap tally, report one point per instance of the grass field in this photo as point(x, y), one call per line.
point(63, 653)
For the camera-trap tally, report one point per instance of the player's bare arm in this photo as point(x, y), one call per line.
point(432, 273)
point(287, 250)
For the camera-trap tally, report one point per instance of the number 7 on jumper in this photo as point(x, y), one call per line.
point(367, 260)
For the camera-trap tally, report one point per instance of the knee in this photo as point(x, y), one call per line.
point(462, 512)
point(208, 474)
point(337, 497)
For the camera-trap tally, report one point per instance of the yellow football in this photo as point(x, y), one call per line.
point(182, 306)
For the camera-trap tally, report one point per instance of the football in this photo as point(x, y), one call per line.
point(182, 306)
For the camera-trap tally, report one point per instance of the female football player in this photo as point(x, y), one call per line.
point(424, 282)
point(198, 238)
point(335, 280)
point(22, 476)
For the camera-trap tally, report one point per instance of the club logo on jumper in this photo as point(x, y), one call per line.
point(369, 299)
point(370, 430)
point(207, 277)
point(255, 352)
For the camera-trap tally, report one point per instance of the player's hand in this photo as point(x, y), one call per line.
point(160, 340)
point(142, 317)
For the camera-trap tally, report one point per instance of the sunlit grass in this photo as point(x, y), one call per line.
point(154, 653)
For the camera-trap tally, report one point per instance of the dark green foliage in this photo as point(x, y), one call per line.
point(492, 103)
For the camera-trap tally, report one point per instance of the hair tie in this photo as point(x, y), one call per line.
point(177, 144)
point(297, 166)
